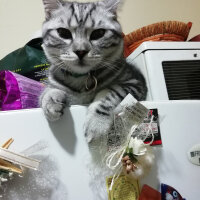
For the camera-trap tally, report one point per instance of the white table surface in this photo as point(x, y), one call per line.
point(64, 174)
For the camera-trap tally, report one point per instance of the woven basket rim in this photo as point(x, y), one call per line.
point(165, 27)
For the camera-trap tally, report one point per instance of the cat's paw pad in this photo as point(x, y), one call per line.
point(97, 127)
point(53, 104)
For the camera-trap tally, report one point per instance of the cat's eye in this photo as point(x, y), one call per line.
point(64, 33)
point(97, 34)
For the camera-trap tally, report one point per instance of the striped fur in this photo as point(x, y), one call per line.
point(103, 58)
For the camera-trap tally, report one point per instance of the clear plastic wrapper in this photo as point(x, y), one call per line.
point(18, 92)
point(41, 184)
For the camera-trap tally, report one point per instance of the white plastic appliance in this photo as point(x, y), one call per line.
point(172, 69)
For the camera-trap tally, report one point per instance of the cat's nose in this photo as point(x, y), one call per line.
point(81, 53)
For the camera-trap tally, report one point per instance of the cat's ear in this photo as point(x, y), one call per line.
point(112, 5)
point(49, 6)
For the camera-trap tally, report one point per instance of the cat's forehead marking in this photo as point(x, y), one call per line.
point(83, 14)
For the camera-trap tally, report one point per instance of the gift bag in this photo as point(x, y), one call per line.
point(29, 61)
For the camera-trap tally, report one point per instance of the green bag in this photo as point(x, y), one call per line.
point(29, 61)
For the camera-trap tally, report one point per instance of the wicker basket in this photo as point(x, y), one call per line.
point(162, 31)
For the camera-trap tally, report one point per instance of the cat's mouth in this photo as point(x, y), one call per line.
point(79, 67)
point(82, 63)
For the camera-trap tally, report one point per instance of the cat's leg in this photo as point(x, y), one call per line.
point(53, 102)
point(100, 113)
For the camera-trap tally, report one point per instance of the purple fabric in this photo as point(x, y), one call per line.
point(18, 92)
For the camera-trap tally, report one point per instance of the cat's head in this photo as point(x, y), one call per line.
point(82, 36)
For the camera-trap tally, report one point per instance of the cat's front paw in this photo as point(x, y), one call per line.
point(53, 103)
point(97, 126)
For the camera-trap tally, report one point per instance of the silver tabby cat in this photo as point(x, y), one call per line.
point(84, 45)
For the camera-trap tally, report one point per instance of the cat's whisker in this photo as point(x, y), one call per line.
point(109, 66)
point(55, 57)
point(113, 62)
point(59, 66)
